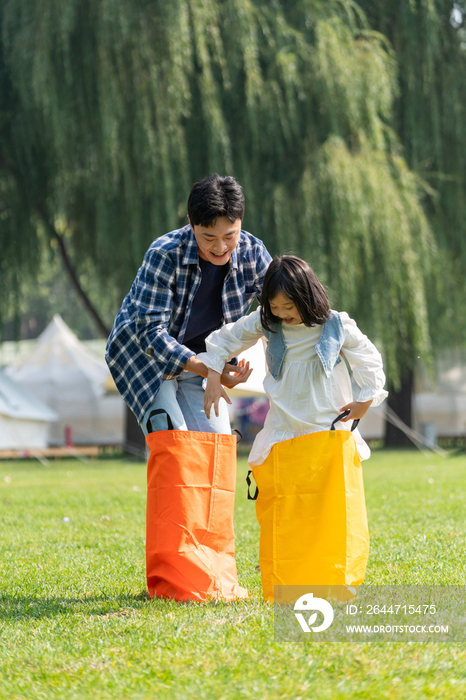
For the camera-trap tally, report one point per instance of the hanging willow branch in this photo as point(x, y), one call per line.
point(113, 109)
point(104, 330)
point(39, 209)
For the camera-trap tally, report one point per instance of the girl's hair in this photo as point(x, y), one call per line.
point(294, 277)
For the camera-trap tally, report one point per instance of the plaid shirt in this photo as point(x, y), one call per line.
point(145, 345)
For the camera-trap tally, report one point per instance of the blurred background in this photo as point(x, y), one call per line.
point(344, 121)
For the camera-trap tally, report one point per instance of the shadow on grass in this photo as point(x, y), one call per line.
point(104, 606)
point(21, 607)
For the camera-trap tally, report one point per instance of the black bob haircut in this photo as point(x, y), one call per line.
point(215, 196)
point(296, 280)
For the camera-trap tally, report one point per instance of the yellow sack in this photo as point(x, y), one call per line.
point(312, 512)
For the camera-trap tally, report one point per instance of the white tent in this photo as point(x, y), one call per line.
point(441, 404)
point(447, 412)
point(70, 379)
point(24, 421)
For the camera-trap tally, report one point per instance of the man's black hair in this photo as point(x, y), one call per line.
point(215, 196)
point(296, 280)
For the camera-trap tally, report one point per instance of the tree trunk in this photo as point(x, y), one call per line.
point(104, 331)
point(47, 221)
point(400, 401)
point(135, 442)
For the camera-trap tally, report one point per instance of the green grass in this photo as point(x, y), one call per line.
point(74, 622)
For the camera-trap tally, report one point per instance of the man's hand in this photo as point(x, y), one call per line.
point(357, 409)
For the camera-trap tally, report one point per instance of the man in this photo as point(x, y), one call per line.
point(192, 281)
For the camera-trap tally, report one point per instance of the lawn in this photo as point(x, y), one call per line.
point(75, 624)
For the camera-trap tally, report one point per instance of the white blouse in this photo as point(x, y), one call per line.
point(303, 400)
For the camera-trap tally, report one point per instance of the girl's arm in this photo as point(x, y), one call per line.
point(231, 340)
point(228, 341)
point(366, 364)
point(230, 377)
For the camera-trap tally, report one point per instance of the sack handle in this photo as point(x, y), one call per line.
point(248, 481)
point(248, 478)
point(343, 415)
point(157, 412)
point(239, 436)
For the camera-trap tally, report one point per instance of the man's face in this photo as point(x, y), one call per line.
point(216, 243)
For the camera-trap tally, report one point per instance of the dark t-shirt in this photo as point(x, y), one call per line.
point(206, 312)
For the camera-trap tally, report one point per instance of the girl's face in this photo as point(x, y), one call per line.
point(283, 307)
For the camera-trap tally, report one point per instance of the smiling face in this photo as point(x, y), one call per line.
point(284, 308)
point(216, 243)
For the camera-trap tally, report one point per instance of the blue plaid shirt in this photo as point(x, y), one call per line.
point(145, 345)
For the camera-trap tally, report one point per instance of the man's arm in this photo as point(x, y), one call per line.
point(152, 294)
point(196, 366)
point(231, 375)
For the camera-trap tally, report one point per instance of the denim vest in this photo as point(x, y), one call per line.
point(328, 347)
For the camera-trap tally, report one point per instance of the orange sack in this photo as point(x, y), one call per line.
point(190, 541)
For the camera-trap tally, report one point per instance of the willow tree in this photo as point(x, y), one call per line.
point(430, 119)
point(111, 110)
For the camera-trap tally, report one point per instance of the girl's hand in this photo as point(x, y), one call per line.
point(235, 374)
point(214, 392)
point(357, 409)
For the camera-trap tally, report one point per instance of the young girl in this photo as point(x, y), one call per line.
point(311, 505)
point(308, 384)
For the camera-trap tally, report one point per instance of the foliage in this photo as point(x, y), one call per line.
point(428, 38)
point(48, 292)
point(110, 111)
point(74, 625)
